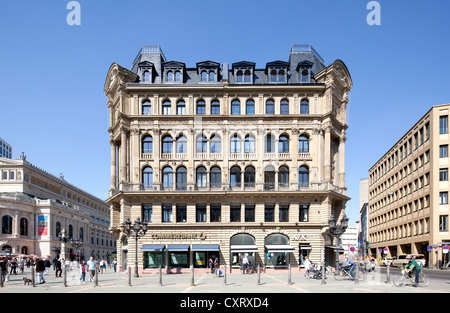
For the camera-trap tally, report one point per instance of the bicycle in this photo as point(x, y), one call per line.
point(343, 272)
point(400, 280)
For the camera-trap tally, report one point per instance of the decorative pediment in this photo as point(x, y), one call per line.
point(174, 64)
point(305, 64)
point(243, 64)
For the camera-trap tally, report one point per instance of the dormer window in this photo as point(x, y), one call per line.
point(173, 72)
point(304, 68)
point(145, 71)
point(243, 72)
point(277, 71)
point(208, 71)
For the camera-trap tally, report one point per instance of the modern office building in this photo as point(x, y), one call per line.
point(5, 149)
point(226, 161)
point(408, 191)
point(36, 206)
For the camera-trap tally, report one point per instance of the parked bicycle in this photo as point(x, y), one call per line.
point(343, 273)
point(400, 280)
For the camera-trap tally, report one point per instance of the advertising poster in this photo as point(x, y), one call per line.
point(43, 225)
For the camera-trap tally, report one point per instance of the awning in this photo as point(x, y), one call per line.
point(279, 248)
point(153, 247)
point(244, 248)
point(177, 248)
point(205, 248)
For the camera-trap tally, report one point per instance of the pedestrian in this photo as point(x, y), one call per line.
point(216, 266)
point(307, 264)
point(244, 264)
point(103, 265)
point(13, 267)
point(91, 267)
point(3, 268)
point(58, 267)
point(54, 263)
point(83, 272)
point(47, 265)
point(115, 265)
point(40, 268)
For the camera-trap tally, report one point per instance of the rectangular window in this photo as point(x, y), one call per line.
point(443, 151)
point(303, 213)
point(249, 213)
point(235, 213)
point(443, 125)
point(443, 223)
point(215, 214)
point(284, 213)
point(147, 212)
point(167, 213)
point(181, 213)
point(201, 213)
point(443, 197)
point(443, 174)
point(269, 213)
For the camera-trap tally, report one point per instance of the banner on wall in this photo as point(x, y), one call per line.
point(42, 225)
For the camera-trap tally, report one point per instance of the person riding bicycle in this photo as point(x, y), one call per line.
point(349, 265)
point(413, 267)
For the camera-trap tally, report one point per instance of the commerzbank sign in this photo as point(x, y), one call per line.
point(178, 236)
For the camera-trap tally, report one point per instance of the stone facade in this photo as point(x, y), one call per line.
point(236, 160)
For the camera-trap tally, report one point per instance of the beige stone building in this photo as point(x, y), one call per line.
point(408, 190)
point(36, 206)
point(227, 161)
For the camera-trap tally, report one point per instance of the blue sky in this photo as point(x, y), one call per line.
point(53, 108)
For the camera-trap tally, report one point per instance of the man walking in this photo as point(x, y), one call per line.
point(91, 266)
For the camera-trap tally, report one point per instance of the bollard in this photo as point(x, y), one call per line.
point(160, 276)
point(388, 276)
point(259, 275)
point(322, 259)
point(323, 274)
point(357, 270)
point(65, 277)
point(192, 276)
point(225, 275)
point(129, 276)
point(289, 275)
point(96, 277)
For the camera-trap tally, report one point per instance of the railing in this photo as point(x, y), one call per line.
point(150, 49)
point(268, 186)
point(232, 156)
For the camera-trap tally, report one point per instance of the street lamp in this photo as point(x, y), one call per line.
point(137, 231)
point(77, 243)
point(337, 231)
point(64, 239)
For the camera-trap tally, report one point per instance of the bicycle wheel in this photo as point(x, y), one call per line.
point(361, 275)
point(339, 275)
point(424, 280)
point(399, 280)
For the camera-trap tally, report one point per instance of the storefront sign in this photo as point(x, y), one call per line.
point(178, 236)
point(299, 237)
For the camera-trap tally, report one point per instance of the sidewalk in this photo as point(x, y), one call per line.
point(207, 283)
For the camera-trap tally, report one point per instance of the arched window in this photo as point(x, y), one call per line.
point(7, 225)
point(283, 176)
point(181, 144)
point(269, 178)
point(201, 177)
point(215, 177)
point(181, 178)
point(181, 107)
point(270, 107)
point(283, 144)
point(305, 76)
point(201, 144)
point(70, 234)
point(236, 107)
point(250, 107)
point(23, 227)
point(81, 234)
point(249, 176)
point(216, 144)
point(167, 144)
point(249, 145)
point(146, 76)
point(284, 106)
point(167, 177)
point(212, 76)
point(204, 76)
point(281, 76)
point(201, 107)
point(146, 107)
point(147, 144)
point(276, 239)
point(242, 240)
point(58, 229)
point(269, 144)
point(178, 76)
point(215, 107)
point(303, 176)
point(167, 107)
point(170, 76)
point(304, 106)
point(239, 76)
point(303, 143)
point(273, 76)
point(147, 177)
point(247, 76)
point(235, 176)
point(235, 144)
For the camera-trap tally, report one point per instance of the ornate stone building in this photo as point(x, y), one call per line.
point(227, 161)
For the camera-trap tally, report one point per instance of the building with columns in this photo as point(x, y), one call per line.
point(226, 161)
point(36, 206)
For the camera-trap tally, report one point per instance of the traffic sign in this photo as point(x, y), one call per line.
point(429, 248)
point(352, 249)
